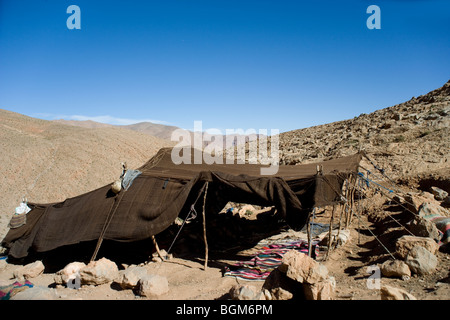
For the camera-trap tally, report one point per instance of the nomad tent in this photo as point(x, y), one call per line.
point(161, 191)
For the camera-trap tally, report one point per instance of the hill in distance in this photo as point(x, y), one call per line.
point(47, 161)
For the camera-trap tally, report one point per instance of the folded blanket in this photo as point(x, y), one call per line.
point(129, 177)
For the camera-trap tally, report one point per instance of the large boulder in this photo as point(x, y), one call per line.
point(99, 272)
point(392, 293)
point(430, 208)
point(406, 243)
point(311, 276)
point(246, 292)
point(421, 261)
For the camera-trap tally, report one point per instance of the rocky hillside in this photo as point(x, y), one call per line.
point(407, 139)
point(46, 161)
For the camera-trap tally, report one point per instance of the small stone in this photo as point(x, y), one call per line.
point(406, 243)
point(438, 193)
point(29, 271)
point(395, 268)
point(391, 293)
point(302, 268)
point(69, 272)
point(129, 278)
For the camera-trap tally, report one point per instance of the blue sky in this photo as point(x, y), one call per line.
point(232, 64)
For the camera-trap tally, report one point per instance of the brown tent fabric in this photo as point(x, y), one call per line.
point(165, 190)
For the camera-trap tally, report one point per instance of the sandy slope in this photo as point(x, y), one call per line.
point(48, 162)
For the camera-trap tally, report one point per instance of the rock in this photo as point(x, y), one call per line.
point(36, 293)
point(323, 290)
point(29, 271)
point(421, 261)
point(280, 294)
point(69, 272)
point(438, 193)
point(391, 293)
point(3, 264)
point(395, 268)
point(246, 292)
point(428, 208)
point(424, 228)
point(302, 268)
point(130, 277)
point(312, 275)
point(413, 202)
point(153, 285)
point(406, 243)
point(99, 272)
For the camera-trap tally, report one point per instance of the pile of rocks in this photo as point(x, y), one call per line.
point(104, 271)
point(78, 274)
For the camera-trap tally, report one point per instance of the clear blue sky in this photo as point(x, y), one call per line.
point(231, 64)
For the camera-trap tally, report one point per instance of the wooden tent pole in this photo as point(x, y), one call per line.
point(204, 228)
point(157, 248)
point(330, 240)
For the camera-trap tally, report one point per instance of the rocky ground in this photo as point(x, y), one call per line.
point(410, 141)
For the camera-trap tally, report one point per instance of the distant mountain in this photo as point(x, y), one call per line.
point(156, 130)
point(84, 124)
point(153, 129)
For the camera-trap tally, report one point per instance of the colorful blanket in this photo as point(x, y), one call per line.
point(443, 225)
point(265, 261)
point(6, 292)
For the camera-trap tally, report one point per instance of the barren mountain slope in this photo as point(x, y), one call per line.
point(47, 162)
point(407, 139)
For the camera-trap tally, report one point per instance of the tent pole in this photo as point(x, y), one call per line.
point(204, 227)
point(310, 230)
point(157, 247)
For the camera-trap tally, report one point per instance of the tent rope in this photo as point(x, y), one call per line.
point(106, 225)
point(192, 210)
